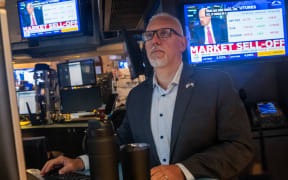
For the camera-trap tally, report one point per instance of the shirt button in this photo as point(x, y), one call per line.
point(161, 137)
point(164, 160)
point(163, 95)
point(161, 114)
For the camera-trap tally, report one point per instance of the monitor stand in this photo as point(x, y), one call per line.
point(34, 42)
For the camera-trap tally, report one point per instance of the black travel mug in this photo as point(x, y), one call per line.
point(135, 161)
point(102, 151)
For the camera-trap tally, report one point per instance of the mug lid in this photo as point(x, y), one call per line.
point(134, 147)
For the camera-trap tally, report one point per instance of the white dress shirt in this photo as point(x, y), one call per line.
point(162, 110)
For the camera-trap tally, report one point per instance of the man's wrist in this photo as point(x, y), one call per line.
point(183, 175)
point(85, 161)
point(80, 164)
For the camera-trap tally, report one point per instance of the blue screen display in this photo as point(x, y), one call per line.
point(267, 108)
point(24, 75)
point(238, 30)
point(48, 17)
point(123, 65)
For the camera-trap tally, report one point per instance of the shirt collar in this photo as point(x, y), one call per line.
point(209, 25)
point(175, 80)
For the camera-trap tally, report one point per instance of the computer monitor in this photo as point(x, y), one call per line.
point(123, 65)
point(76, 73)
point(80, 100)
point(24, 98)
point(236, 30)
point(24, 75)
point(12, 163)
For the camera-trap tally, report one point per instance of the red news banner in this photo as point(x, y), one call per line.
point(240, 47)
point(63, 26)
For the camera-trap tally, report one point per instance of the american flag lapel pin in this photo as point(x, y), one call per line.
point(191, 84)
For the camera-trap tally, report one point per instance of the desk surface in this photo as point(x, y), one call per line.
point(60, 125)
point(271, 132)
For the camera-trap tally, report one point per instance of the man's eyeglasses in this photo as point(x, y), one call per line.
point(161, 33)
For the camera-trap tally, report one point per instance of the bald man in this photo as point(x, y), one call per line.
point(210, 31)
point(192, 118)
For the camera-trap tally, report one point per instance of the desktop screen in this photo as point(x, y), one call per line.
point(236, 30)
point(267, 108)
point(25, 97)
point(123, 65)
point(76, 73)
point(48, 17)
point(24, 75)
point(80, 100)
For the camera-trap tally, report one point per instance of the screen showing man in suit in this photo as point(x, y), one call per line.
point(209, 30)
point(32, 15)
point(192, 118)
point(48, 17)
point(235, 30)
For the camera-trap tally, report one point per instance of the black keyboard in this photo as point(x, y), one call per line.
point(68, 176)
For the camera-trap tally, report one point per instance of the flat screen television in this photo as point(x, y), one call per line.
point(48, 17)
point(235, 30)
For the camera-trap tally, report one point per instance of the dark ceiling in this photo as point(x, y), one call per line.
point(128, 14)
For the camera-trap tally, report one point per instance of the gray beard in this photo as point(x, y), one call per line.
point(156, 62)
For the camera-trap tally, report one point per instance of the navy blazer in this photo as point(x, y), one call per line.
point(210, 130)
point(219, 28)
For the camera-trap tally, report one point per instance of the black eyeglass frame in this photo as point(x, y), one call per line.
point(157, 30)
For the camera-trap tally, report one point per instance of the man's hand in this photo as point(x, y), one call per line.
point(68, 164)
point(166, 172)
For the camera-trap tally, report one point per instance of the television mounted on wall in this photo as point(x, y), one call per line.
point(40, 18)
point(235, 30)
